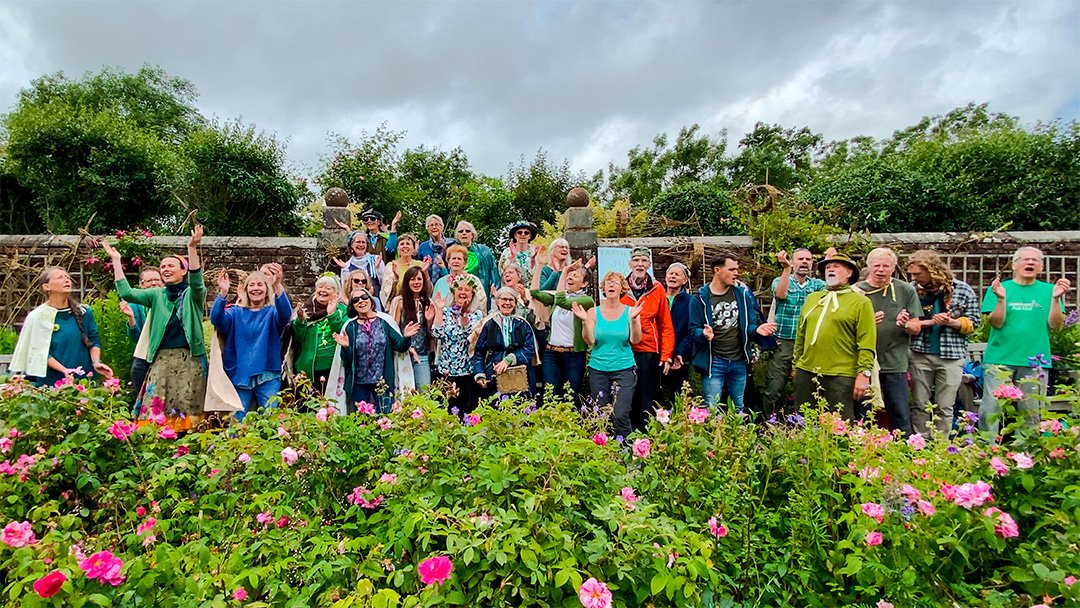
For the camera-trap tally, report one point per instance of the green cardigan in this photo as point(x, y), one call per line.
point(156, 299)
point(560, 299)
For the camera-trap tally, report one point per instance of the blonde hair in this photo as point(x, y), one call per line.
point(941, 277)
point(455, 248)
point(622, 281)
point(241, 290)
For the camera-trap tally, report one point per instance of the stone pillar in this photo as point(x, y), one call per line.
point(332, 237)
point(579, 227)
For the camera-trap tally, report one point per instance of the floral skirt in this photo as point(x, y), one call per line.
point(177, 383)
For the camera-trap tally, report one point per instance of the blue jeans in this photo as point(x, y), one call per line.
point(725, 378)
point(562, 368)
point(262, 393)
point(367, 393)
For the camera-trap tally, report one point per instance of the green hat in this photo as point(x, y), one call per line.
point(842, 259)
point(641, 251)
point(531, 227)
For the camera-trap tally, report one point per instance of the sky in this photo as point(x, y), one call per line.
point(586, 81)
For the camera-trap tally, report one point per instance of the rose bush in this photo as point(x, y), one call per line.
point(519, 506)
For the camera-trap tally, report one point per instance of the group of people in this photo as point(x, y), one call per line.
point(403, 313)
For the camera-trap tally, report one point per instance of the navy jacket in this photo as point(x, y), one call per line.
point(490, 348)
point(680, 321)
point(750, 318)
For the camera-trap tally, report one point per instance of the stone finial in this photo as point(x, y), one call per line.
point(577, 197)
point(336, 197)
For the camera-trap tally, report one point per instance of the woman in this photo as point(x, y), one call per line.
point(176, 348)
point(359, 279)
point(394, 275)
point(503, 340)
point(558, 258)
point(457, 257)
point(367, 364)
point(313, 329)
point(414, 306)
point(564, 355)
point(676, 280)
point(59, 339)
point(513, 278)
point(372, 264)
point(452, 325)
point(481, 261)
point(520, 251)
point(252, 331)
point(611, 329)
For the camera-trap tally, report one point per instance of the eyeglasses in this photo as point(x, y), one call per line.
point(523, 232)
point(360, 281)
point(360, 298)
point(506, 299)
point(463, 230)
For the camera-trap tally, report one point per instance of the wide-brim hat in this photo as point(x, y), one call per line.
point(842, 259)
point(531, 227)
point(370, 214)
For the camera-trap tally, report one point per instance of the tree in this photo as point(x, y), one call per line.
point(367, 170)
point(777, 156)
point(693, 158)
point(236, 178)
point(695, 208)
point(539, 189)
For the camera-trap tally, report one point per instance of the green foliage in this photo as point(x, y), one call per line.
point(8, 338)
point(693, 158)
point(526, 505)
point(236, 180)
point(117, 349)
point(773, 155)
point(136, 252)
point(696, 208)
point(1065, 342)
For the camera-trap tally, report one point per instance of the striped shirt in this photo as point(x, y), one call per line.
point(788, 309)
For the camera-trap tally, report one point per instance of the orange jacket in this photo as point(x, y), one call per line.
point(657, 331)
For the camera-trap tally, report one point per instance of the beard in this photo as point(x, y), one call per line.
point(832, 283)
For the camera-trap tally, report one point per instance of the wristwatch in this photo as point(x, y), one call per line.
point(867, 373)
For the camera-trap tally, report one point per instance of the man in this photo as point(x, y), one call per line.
point(380, 242)
point(1022, 313)
point(835, 340)
point(724, 316)
point(481, 262)
point(950, 312)
point(789, 292)
point(435, 248)
point(896, 313)
point(652, 355)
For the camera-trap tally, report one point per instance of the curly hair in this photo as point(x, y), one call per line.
point(941, 278)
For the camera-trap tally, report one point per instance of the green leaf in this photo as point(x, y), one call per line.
point(1040, 570)
point(659, 581)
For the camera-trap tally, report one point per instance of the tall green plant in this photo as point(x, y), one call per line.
point(117, 349)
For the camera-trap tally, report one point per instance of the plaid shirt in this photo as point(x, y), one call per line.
point(953, 344)
point(787, 310)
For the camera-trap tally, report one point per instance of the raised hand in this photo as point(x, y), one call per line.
point(276, 272)
point(411, 329)
point(782, 258)
point(635, 311)
point(708, 332)
point(427, 263)
point(1061, 286)
point(998, 290)
point(538, 256)
point(342, 225)
point(574, 265)
point(339, 262)
point(111, 251)
point(341, 339)
point(767, 329)
point(438, 300)
point(579, 311)
point(394, 222)
point(830, 252)
point(331, 304)
point(223, 283)
point(429, 312)
point(591, 263)
point(126, 309)
point(196, 236)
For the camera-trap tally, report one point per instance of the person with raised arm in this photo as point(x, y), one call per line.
point(481, 261)
point(176, 347)
point(413, 305)
point(503, 340)
point(252, 331)
point(362, 259)
point(452, 324)
point(394, 275)
point(59, 339)
point(654, 353)
point(149, 276)
point(457, 258)
point(790, 290)
point(564, 353)
point(313, 329)
point(520, 251)
point(612, 328)
point(435, 248)
point(677, 280)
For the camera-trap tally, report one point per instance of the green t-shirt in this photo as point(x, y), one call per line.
point(893, 343)
point(846, 340)
point(1025, 333)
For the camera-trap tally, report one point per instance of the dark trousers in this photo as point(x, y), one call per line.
point(672, 384)
point(776, 377)
point(561, 369)
point(618, 388)
point(896, 393)
point(648, 383)
point(139, 369)
point(465, 394)
point(837, 391)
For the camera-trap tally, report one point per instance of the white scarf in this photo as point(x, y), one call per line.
point(31, 356)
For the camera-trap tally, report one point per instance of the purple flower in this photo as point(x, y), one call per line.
point(455, 411)
point(619, 438)
point(972, 417)
point(970, 430)
point(796, 420)
point(952, 449)
point(772, 419)
point(1073, 317)
point(907, 511)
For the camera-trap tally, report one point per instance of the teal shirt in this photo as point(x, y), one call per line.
point(612, 351)
point(1025, 334)
point(66, 345)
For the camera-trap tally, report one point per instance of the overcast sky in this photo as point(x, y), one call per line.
point(586, 81)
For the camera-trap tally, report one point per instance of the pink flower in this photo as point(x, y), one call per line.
point(910, 492)
point(181, 450)
point(926, 507)
point(970, 495)
point(1023, 461)
point(50, 584)
point(642, 447)
point(435, 570)
point(718, 529)
point(1006, 526)
point(112, 384)
point(243, 458)
point(1008, 391)
point(322, 414)
point(5, 445)
point(883, 604)
point(364, 407)
point(146, 526)
point(281, 432)
point(282, 521)
point(362, 497)
point(385, 424)
point(999, 466)
point(916, 441)
point(140, 511)
point(103, 566)
point(167, 433)
point(121, 429)
point(18, 534)
point(417, 413)
point(240, 594)
point(264, 518)
point(213, 472)
point(1069, 581)
point(697, 415)
point(389, 478)
point(1059, 453)
point(594, 594)
point(289, 456)
point(1050, 426)
point(628, 495)
point(472, 419)
point(868, 473)
point(663, 416)
point(948, 492)
point(600, 439)
point(874, 510)
point(873, 539)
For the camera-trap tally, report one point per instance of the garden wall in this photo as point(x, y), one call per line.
point(976, 260)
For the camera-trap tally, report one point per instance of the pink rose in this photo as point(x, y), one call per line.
point(926, 508)
point(663, 416)
point(883, 604)
point(240, 594)
point(999, 466)
point(916, 441)
point(628, 495)
point(719, 530)
point(385, 424)
point(243, 458)
point(435, 570)
point(1008, 391)
point(1050, 426)
point(5, 445)
point(264, 518)
point(167, 433)
point(873, 539)
point(18, 534)
point(281, 432)
point(121, 429)
point(970, 495)
point(874, 510)
point(910, 492)
point(594, 594)
point(641, 448)
point(1023, 461)
point(50, 584)
point(389, 478)
point(322, 414)
point(364, 407)
point(1069, 581)
point(698, 415)
point(1006, 526)
point(103, 566)
point(417, 413)
point(600, 439)
point(289, 456)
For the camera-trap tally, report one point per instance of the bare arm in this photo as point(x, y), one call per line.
point(997, 316)
point(785, 276)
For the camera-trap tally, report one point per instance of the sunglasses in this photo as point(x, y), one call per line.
point(361, 298)
point(523, 232)
point(360, 281)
